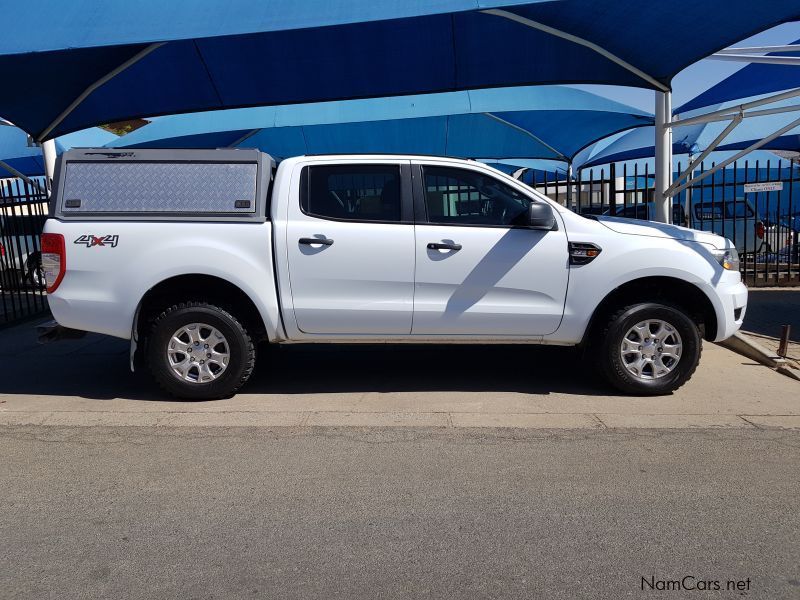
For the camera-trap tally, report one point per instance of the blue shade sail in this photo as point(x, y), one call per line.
point(557, 122)
point(753, 80)
point(15, 151)
point(694, 139)
point(218, 55)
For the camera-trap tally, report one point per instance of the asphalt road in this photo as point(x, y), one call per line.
point(160, 512)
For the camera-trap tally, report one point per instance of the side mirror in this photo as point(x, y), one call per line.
point(540, 216)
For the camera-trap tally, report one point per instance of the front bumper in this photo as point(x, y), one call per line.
point(731, 313)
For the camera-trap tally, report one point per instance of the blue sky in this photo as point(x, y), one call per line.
point(700, 76)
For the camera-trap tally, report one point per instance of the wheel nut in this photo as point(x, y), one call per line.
point(640, 347)
point(189, 349)
point(202, 362)
point(205, 345)
point(208, 356)
point(197, 343)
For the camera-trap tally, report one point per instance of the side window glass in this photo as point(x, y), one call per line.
point(463, 197)
point(708, 211)
point(352, 192)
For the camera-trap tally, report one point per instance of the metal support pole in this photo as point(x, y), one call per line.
point(49, 155)
point(783, 346)
point(569, 185)
point(663, 144)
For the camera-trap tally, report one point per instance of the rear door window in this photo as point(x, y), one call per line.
point(352, 192)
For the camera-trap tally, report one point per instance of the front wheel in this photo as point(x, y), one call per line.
point(649, 349)
point(199, 351)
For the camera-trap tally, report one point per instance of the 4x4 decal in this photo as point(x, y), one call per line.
point(98, 240)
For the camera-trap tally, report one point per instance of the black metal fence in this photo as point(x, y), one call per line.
point(754, 204)
point(23, 210)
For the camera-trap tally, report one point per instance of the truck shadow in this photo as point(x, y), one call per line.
point(97, 368)
point(520, 368)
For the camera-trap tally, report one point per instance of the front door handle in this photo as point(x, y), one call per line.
point(443, 246)
point(313, 241)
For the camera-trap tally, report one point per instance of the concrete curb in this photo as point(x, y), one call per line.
point(744, 345)
point(439, 420)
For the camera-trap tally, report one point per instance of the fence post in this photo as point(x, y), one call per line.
point(612, 190)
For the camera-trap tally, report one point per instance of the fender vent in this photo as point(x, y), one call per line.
point(581, 253)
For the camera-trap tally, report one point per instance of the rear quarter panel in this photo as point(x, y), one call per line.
point(104, 284)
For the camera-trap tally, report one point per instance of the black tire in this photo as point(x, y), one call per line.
point(612, 365)
point(33, 270)
point(240, 347)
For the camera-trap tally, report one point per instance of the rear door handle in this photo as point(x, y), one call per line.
point(314, 241)
point(443, 246)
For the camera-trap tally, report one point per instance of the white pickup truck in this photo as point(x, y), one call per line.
point(198, 255)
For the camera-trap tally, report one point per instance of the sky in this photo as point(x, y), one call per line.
point(700, 76)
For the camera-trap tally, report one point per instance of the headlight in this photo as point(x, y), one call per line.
point(729, 259)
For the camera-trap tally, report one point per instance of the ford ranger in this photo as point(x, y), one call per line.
point(197, 256)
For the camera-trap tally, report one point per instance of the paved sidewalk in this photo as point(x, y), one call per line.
point(87, 382)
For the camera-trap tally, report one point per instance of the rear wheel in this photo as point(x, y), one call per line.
point(199, 351)
point(649, 349)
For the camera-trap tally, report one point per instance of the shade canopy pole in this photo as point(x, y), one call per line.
point(49, 156)
point(663, 156)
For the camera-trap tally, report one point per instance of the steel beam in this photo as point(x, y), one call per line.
point(24, 178)
point(103, 80)
point(737, 156)
point(758, 58)
point(761, 49)
point(739, 108)
point(559, 155)
point(699, 159)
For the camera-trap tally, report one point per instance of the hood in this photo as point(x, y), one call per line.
point(662, 230)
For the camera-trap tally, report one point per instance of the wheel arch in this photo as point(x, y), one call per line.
point(670, 290)
point(195, 286)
